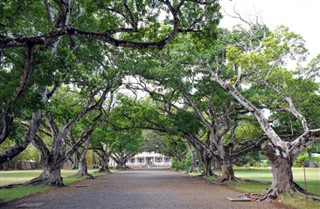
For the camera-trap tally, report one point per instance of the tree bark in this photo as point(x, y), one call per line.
point(282, 178)
point(94, 161)
point(83, 168)
point(216, 164)
point(121, 163)
point(104, 159)
point(194, 167)
point(105, 166)
point(12, 152)
point(75, 161)
point(227, 172)
point(207, 162)
point(310, 163)
point(50, 175)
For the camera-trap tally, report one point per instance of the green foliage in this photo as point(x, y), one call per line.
point(247, 130)
point(164, 143)
point(181, 165)
point(126, 141)
point(303, 157)
point(252, 159)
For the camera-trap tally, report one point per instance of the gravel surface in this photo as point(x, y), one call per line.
point(149, 188)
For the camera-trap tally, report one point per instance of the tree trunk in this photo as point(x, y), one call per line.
point(194, 167)
point(227, 172)
point(282, 178)
point(121, 164)
point(207, 161)
point(50, 175)
point(310, 163)
point(75, 161)
point(216, 164)
point(94, 161)
point(10, 153)
point(104, 159)
point(83, 168)
point(105, 166)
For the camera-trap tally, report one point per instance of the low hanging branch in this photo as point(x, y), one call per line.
point(62, 27)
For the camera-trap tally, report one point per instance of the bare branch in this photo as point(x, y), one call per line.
point(292, 109)
point(49, 11)
point(264, 123)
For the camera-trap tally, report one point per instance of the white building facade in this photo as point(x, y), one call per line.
point(149, 159)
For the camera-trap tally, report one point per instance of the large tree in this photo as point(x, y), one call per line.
point(41, 22)
point(31, 33)
point(266, 70)
point(173, 79)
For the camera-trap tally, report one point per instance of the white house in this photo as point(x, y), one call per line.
point(149, 159)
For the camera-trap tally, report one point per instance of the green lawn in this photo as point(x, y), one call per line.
point(14, 177)
point(264, 176)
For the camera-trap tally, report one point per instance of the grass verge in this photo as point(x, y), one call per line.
point(264, 176)
point(10, 177)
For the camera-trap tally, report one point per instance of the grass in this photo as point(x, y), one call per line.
point(264, 176)
point(14, 177)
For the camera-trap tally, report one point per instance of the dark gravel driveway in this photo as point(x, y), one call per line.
point(152, 188)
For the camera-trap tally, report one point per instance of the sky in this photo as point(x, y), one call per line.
point(300, 16)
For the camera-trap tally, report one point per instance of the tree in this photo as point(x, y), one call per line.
point(184, 87)
point(36, 29)
point(151, 115)
point(125, 144)
point(164, 143)
point(59, 119)
point(104, 21)
point(100, 145)
point(259, 64)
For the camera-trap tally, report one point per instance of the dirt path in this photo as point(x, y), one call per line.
point(141, 189)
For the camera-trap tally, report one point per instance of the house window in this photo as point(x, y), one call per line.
point(141, 160)
point(132, 160)
point(166, 159)
point(158, 159)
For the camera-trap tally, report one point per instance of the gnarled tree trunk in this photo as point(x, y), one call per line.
point(227, 172)
point(104, 159)
point(226, 164)
point(207, 162)
point(121, 163)
point(105, 166)
point(83, 168)
point(94, 161)
point(50, 175)
point(194, 167)
point(282, 178)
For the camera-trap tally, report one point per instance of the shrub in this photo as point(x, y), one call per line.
point(181, 165)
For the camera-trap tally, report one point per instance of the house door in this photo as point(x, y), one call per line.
point(149, 160)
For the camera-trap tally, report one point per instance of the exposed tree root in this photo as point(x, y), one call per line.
point(303, 192)
point(44, 181)
point(227, 180)
point(273, 194)
point(101, 170)
point(84, 174)
point(11, 186)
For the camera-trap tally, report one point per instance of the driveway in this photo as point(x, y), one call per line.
point(141, 189)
